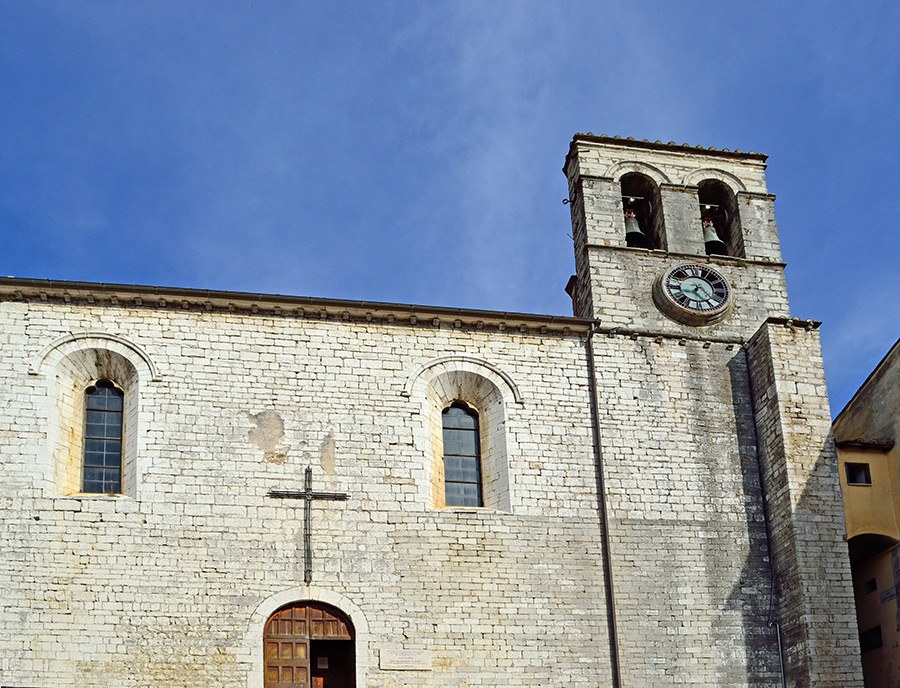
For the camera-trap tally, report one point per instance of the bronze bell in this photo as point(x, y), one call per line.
point(634, 237)
point(711, 238)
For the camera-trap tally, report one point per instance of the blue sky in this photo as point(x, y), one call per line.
point(412, 151)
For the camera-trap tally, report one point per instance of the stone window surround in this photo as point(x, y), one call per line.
point(491, 393)
point(69, 365)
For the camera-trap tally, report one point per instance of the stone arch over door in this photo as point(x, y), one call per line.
point(252, 654)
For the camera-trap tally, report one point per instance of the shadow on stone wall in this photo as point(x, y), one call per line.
point(807, 590)
point(825, 590)
point(753, 594)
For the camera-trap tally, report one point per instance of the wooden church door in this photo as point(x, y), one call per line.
point(309, 645)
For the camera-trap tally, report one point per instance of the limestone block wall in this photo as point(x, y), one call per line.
point(621, 282)
point(680, 210)
point(816, 608)
point(687, 532)
point(165, 586)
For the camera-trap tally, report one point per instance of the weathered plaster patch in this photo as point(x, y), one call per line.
point(327, 454)
point(268, 434)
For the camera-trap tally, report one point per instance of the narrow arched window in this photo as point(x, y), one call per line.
point(102, 467)
point(462, 456)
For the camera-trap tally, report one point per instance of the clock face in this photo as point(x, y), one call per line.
point(694, 294)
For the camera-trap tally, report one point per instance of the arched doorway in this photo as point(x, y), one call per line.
point(309, 645)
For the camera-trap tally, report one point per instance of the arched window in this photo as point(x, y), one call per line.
point(721, 220)
point(84, 371)
point(487, 397)
point(102, 465)
point(462, 456)
point(643, 220)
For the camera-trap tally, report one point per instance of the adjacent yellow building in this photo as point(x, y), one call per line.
point(865, 433)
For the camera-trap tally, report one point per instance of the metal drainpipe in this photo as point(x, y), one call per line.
point(771, 621)
point(601, 498)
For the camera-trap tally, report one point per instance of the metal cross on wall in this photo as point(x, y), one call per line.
point(308, 495)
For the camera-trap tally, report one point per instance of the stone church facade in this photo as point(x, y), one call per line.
point(641, 495)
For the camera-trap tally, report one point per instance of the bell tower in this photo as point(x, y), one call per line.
point(716, 467)
point(640, 209)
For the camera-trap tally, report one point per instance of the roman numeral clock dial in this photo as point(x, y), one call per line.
point(693, 294)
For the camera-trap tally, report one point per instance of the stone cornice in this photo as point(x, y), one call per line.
point(757, 195)
point(796, 323)
point(179, 298)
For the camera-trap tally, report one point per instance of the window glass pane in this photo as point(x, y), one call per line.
point(92, 460)
point(461, 477)
point(461, 442)
point(461, 494)
point(97, 399)
point(462, 463)
point(101, 480)
point(858, 474)
point(113, 482)
point(106, 453)
point(93, 446)
point(112, 452)
point(870, 640)
point(93, 475)
point(104, 396)
point(462, 469)
point(104, 424)
point(114, 400)
point(456, 417)
point(112, 426)
point(451, 442)
point(94, 430)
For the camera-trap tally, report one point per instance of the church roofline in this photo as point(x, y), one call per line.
point(182, 298)
point(645, 144)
